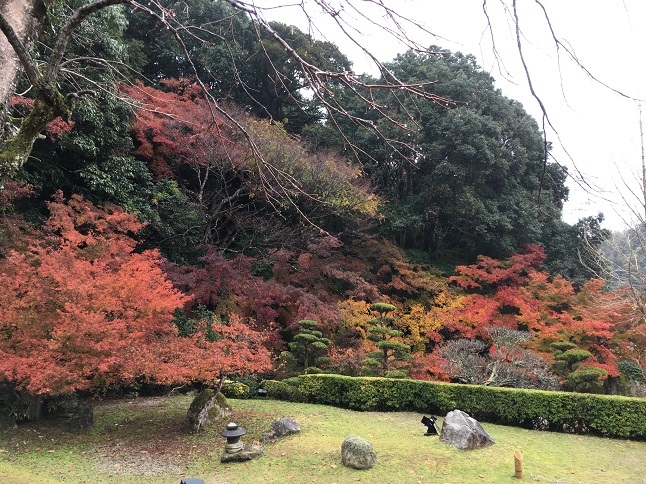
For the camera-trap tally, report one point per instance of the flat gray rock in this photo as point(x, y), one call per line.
point(280, 428)
point(464, 432)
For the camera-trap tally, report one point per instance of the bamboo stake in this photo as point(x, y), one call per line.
point(518, 464)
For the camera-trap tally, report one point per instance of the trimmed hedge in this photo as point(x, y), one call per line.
point(283, 390)
point(606, 415)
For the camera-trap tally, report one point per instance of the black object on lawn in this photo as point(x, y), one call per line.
point(430, 423)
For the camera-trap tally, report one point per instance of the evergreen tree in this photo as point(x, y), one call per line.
point(391, 351)
point(309, 346)
point(478, 183)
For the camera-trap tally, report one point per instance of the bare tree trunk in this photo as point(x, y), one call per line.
point(641, 138)
point(27, 18)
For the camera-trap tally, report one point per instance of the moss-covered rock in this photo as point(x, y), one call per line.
point(206, 407)
point(357, 453)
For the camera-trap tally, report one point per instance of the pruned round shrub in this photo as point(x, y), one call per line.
point(562, 346)
point(382, 307)
point(588, 379)
point(236, 390)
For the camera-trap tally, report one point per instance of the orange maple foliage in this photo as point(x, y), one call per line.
point(82, 309)
point(208, 355)
point(517, 294)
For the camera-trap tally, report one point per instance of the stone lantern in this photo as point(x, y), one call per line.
point(233, 434)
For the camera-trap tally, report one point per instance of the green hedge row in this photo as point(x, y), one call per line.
point(284, 390)
point(607, 415)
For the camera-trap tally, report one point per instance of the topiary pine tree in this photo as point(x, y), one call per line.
point(390, 348)
point(588, 379)
point(577, 378)
point(571, 357)
point(309, 345)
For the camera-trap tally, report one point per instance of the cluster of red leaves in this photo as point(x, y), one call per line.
point(15, 232)
point(366, 268)
point(347, 360)
point(12, 190)
point(517, 294)
point(237, 349)
point(428, 366)
point(82, 309)
point(175, 127)
point(487, 272)
point(230, 287)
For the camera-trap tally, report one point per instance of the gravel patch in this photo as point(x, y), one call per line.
point(116, 458)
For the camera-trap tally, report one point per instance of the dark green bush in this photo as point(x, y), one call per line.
point(251, 380)
point(607, 415)
point(588, 380)
point(632, 370)
point(282, 390)
point(574, 356)
point(561, 346)
point(313, 370)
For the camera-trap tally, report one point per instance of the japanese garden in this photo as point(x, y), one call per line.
point(211, 227)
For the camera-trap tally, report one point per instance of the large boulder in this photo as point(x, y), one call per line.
point(464, 432)
point(357, 453)
point(280, 428)
point(206, 407)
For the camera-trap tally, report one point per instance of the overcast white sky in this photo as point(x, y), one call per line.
point(599, 129)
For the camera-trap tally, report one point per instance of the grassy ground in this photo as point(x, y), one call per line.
point(146, 440)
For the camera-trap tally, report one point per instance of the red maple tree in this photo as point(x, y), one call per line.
point(518, 294)
point(82, 309)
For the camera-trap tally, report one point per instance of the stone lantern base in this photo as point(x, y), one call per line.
point(247, 453)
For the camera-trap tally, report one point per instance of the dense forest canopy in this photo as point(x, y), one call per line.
point(478, 185)
point(226, 183)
